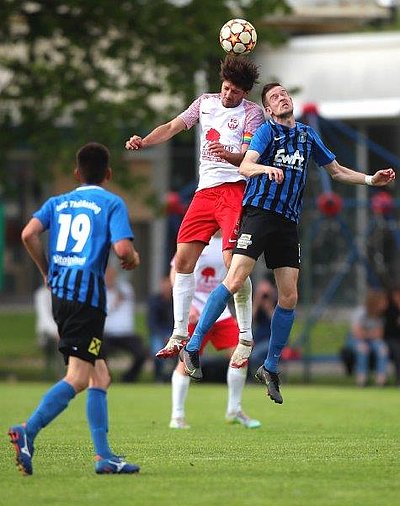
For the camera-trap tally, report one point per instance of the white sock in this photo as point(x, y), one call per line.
point(180, 386)
point(235, 378)
point(243, 308)
point(182, 292)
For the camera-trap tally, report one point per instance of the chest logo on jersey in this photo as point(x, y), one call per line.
point(233, 123)
point(207, 273)
point(294, 161)
point(303, 137)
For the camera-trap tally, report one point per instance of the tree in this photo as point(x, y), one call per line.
point(73, 71)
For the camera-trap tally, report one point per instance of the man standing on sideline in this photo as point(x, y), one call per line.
point(209, 272)
point(227, 123)
point(82, 226)
point(276, 165)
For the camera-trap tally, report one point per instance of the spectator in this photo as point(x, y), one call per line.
point(392, 329)
point(367, 338)
point(119, 333)
point(160, 321)
point(264, 303)
point(47, 334)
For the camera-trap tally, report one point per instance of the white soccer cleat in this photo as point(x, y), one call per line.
point(173, 347)
point(242, 419)
point(240, 357)
point(178, 423)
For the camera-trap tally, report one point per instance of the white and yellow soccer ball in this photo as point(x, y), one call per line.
point(238, 36)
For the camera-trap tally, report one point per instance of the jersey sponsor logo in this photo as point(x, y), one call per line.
point(295, 161)
point(94, 346)
point(68, 261)
point(233, 123)
point(244, 241)
point(278, 138)
point(213, 135)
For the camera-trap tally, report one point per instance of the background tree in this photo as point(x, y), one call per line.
point(72, 71)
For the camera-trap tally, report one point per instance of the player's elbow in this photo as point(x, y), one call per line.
point(27, 235)
point(123, 249)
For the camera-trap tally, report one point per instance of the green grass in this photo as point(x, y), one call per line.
point(324, 446)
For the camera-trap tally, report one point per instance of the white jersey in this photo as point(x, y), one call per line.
point(209, 273)
point(120, 318)
point(230, 126)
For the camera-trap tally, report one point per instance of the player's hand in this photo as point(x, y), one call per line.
point(383, 177)
point(134, 142)
point(274, 174)
point(218, 150)
point(131, 263)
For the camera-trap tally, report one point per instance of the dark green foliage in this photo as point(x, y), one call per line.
point(92, 67)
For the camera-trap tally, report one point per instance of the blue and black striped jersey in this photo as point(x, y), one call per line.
point(82, 226)
point(290, 149)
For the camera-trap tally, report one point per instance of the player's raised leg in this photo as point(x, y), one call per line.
point(281, 325)
point(243, 308)
point(183, 290)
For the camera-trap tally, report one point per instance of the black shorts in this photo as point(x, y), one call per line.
point(80, 328)
point(263, 231)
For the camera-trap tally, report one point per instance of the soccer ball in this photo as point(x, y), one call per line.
point(238, 36)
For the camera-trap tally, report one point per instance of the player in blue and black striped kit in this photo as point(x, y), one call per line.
point(276, 167)
point(82, 226)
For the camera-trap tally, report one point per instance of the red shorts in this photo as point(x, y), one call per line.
point(211, 209)
point(222, 335)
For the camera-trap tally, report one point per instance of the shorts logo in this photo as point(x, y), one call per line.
point(244, 241)
point(94, 346)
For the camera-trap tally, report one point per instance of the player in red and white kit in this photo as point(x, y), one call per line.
point(227, 123)
point(210, 270)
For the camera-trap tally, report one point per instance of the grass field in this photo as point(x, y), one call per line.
point(324, 446)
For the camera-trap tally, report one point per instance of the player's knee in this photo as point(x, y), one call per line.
point(184, 265)
point(78, 383)
point(288, 300)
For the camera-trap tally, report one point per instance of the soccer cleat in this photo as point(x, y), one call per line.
point(23, 448)
point(173, 347)
point(271, 380)
point(242, 419)
point(240, 357)
point(191, 363)
point(114, 465)
point(178, 423)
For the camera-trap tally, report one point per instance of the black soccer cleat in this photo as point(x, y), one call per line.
point(191, 361)
point(271, 380)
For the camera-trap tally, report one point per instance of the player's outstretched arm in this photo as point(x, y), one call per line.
point(128, 256)
point(160, 134)
point(31, 239)
point(345, 175)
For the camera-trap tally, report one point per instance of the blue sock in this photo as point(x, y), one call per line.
point(97, 415)
point(52, 404)
point(216, 303)
point(281, 325)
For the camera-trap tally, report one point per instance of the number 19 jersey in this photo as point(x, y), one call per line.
point(82, 226)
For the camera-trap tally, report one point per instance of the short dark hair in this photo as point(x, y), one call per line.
point(266, 89)
point(93, 160)
point(240, 71)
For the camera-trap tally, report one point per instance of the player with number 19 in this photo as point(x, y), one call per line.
point(82, 226)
